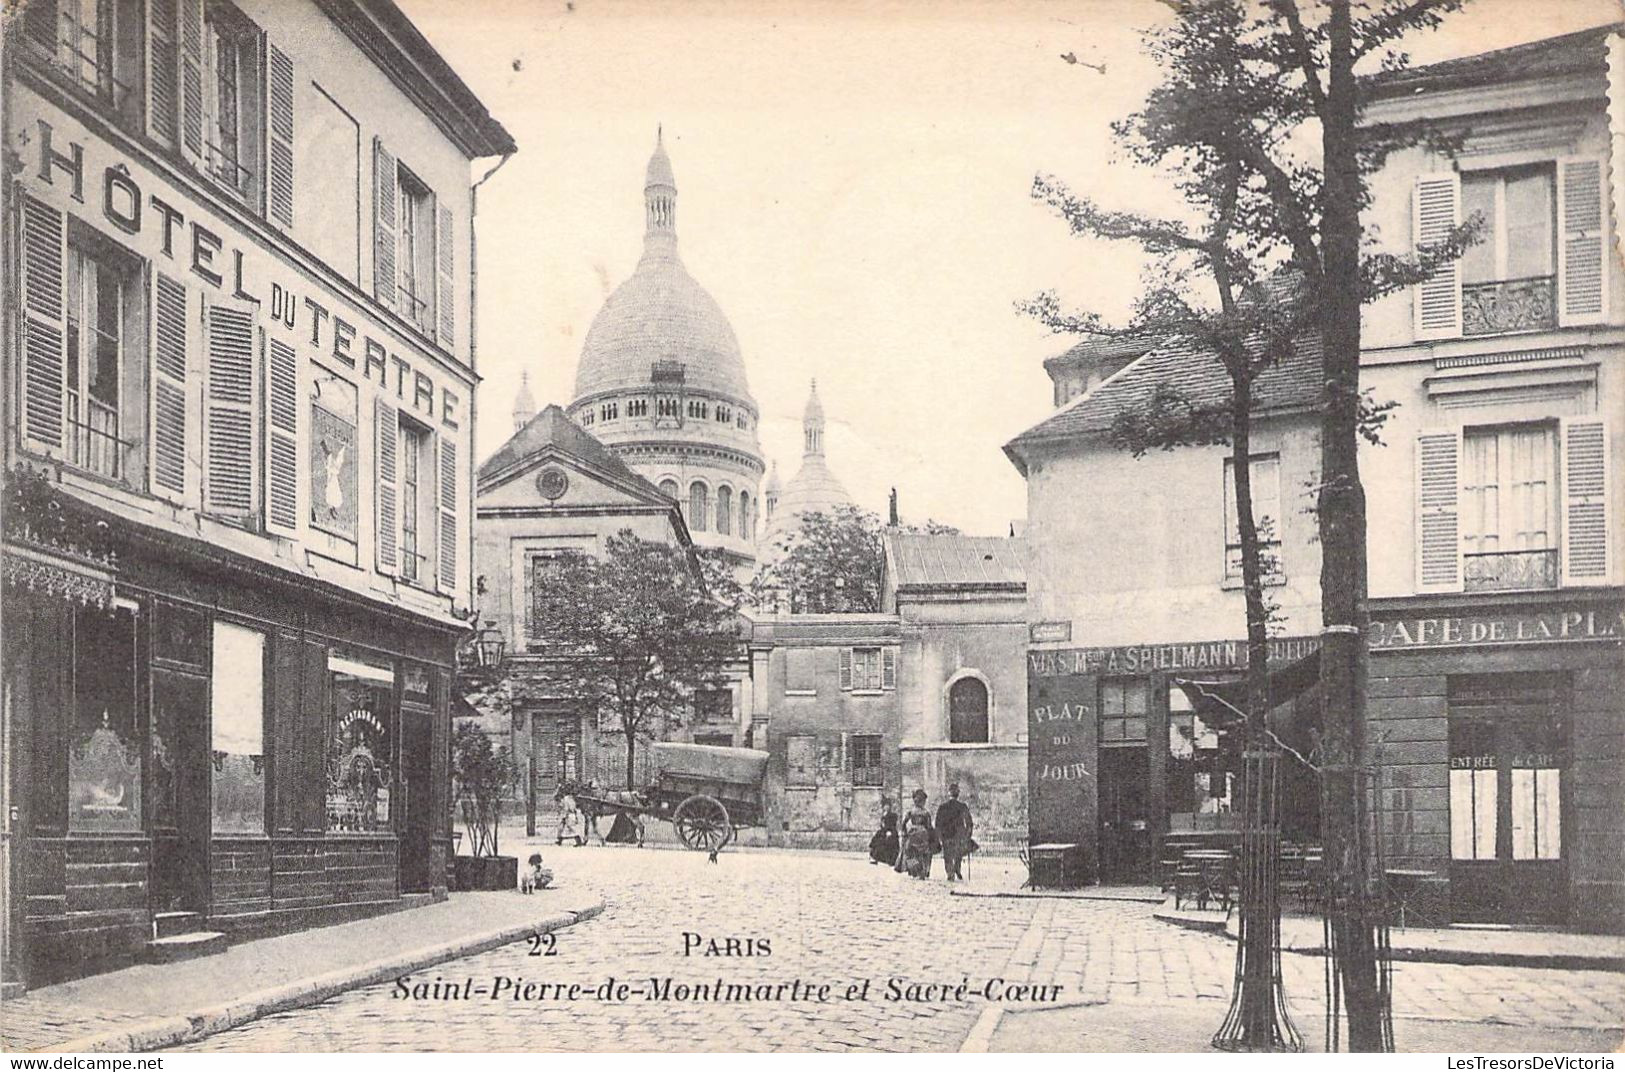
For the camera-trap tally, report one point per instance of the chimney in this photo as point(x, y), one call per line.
point(893, 521)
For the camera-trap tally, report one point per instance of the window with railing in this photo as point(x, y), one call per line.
point(233, 111)
point(98, 290)
point(416, 500)
point(1509, 508)
point(416, 251)
point(1509, 277)
point(94, 45)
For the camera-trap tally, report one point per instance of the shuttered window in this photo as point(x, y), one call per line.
point(279, 90)
point(1586, 557)
point(1582, 278)
point(446, 539)
point(868, 669)
point(191, 78)
point(167, 420)
point(445, 234)
point(44, 260)
point(163, 72)
point(282, 437)
point(384, 223)
point(231, 404)
point(1436, 210)
point(1438, 526)
point(386, 439)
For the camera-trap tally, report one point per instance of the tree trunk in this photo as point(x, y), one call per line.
point(1341, 509)
point(631, 753)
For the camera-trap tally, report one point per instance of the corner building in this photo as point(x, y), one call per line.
point(239, 422)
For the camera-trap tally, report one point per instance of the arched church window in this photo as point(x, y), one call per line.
point(724, 414)
point(746, 521)
point(725, 510)
point(697, 408)
point(967, 712)
point(699, 505)
point(668, 488)
point(609, 411)
point(637, 407)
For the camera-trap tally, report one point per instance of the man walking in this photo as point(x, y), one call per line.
point(954, 826)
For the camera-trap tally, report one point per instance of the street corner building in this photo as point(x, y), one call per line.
point(1494, 529)
point(239, 372)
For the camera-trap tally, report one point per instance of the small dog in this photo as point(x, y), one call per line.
point(537, 878)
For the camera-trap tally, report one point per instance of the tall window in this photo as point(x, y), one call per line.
point(104, 751)
point(98, 289)
point(637, 407)
point(96, 43)
point(1122, 711)
point(746, 522)
point(237, 728)
point(699, 506)
point(609, 411)
point(866, 759)
point(1509, 507)
point(697, 408)
point(416, 251)
point(724, 413)
point(1509, 278)
point(233, 113)
point(668, 488)
point(1266, 501)
point(865, 669)
point(360, 732)
point(725, 510)
point(416, 500)
point(967, 712)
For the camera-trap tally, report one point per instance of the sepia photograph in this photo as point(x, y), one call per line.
point(807, 526)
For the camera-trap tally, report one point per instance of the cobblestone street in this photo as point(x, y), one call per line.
point(837, 921)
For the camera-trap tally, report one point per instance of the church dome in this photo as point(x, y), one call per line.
point(815, 489)
point(660, 314)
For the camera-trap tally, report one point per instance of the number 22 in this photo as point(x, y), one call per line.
point(539, 942)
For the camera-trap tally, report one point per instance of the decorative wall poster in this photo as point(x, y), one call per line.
point(333, 468)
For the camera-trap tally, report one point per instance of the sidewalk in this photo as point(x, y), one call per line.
point(1436, 945)
point(150, 1006)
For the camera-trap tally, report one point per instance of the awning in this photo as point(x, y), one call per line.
point(1225, 702)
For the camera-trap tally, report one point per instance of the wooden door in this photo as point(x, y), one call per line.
point(1125, 828)
point(417, 829)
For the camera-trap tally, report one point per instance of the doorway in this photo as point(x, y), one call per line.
point(417, 831)
point(555, 742)
point(182, 808)
point(1508, 789)
point(1125, 828)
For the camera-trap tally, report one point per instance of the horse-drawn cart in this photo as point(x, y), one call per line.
point(707, 792)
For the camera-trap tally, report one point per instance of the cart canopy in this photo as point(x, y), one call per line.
point(737, 766)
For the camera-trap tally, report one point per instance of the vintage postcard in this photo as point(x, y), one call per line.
point(561, 525)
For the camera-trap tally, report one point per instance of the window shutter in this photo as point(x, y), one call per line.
point(1438, 529)
point(191, 78)
point(384, 223)
point(1582, 274)
point(279, 82)
point(888, 668)
point(1585, 501)
point(229, 451)
point(167, 467)
point(445, 281)
point(45, 254)
point(1436, 210)
point(386, 426)
point(845, 681)
point(162, 72)
point(446, 541)
point(282, 437)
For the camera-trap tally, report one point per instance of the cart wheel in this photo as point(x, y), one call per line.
point(702, 823)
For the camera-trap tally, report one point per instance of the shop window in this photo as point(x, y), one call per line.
point(866, 759)
point(1509, 507)
point(1123, 710)
point(360, 737)
point(801, 759)
point(1473, 791)
point(967, 712)
point(1197, 776)
point(233, 113)
point(104, 753)
point(237, 729)
point(95, 45)
point(1508, 751)
point(416, 250)
point(1266, 502)
point(105, 322)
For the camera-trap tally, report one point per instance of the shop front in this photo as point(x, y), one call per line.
point(194, 733)
point(1118, 757)
point(1496, 728)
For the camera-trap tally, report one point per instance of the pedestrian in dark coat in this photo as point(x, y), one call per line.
point(954, 826)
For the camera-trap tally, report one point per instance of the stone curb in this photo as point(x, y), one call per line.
point(1018, 968)
point(189, 1027)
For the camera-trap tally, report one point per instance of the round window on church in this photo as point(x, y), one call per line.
point(553, 483)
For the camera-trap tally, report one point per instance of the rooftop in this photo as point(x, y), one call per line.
point(956, 561)
point(551, 428)
point(1572, 53)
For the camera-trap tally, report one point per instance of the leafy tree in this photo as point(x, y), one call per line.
point(481, 773)
point(633, 634)
point(830, 562)
point(1257, 115)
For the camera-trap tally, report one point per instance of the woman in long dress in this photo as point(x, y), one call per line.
point(917, 838)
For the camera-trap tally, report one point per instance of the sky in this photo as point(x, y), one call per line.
point(854, 190)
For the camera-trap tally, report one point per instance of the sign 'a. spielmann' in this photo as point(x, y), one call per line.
point(1148, 658)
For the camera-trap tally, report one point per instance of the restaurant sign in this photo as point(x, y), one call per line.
point(1513, 626)
point(1149, 658)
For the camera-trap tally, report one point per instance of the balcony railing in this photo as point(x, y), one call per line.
point(1509, 305)
point(416, 309)
point(1506, 571)
point(227, 169)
